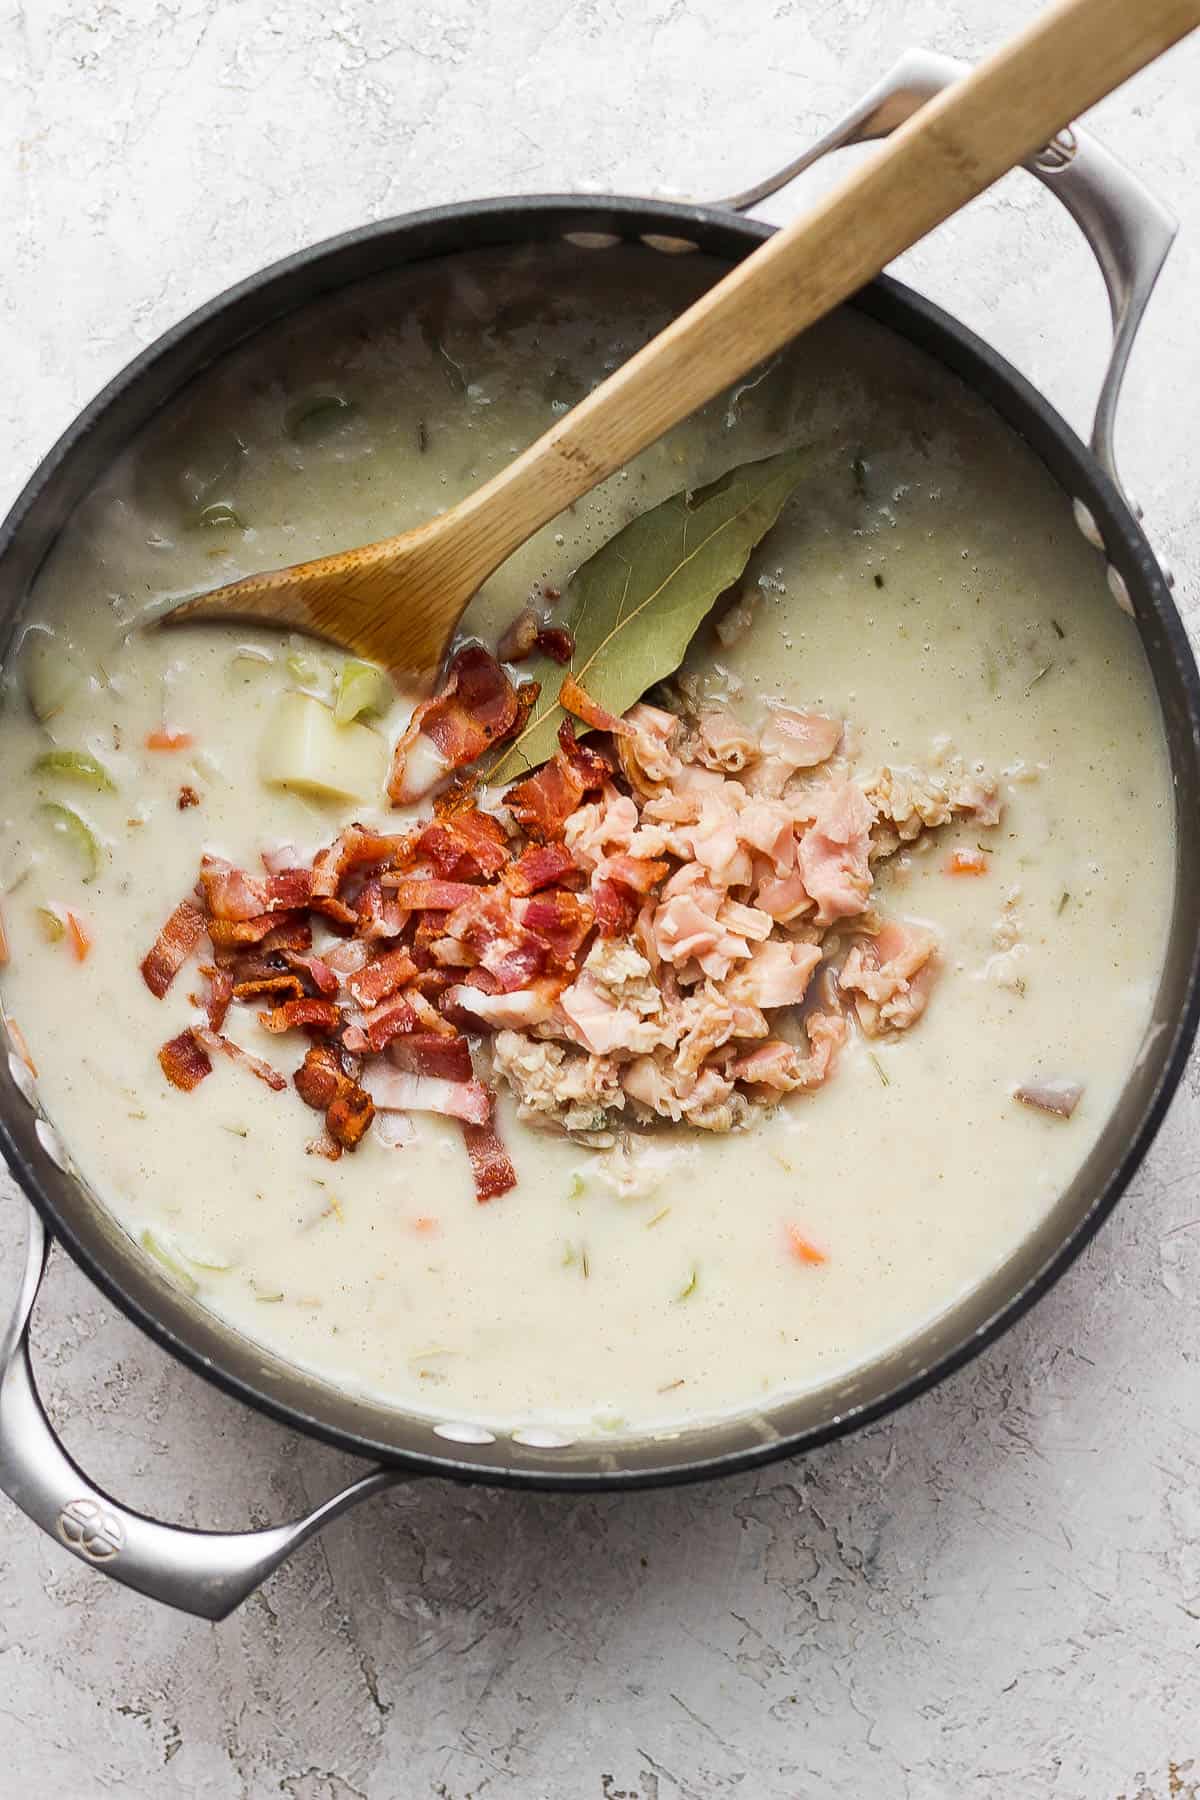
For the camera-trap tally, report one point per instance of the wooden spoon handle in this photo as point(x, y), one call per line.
point(950, 150)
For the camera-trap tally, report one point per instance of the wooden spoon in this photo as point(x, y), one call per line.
point(398, 601)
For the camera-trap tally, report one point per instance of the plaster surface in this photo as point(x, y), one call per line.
point(996, 1594)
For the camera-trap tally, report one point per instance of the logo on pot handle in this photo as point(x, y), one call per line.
point(85, 1527)
point(1059, 152)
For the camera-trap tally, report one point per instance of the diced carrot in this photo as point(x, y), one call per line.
point(17, 1038)
point(802, 1248)
point(81, 937)
point(3, 942)
point(425, 1225)
point(165, 739)
point(966, 862)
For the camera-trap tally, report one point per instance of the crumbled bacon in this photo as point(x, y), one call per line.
point(279, 987)
point(543, 803)
point(467, 844)
point(214, 1041)
point(520, 637)
point(379, 1027)
point(432, 1053)
point(475, 710)
point(630, 940)
point(229, 934)
point(318, 971)
point(184, 1062)
point(616, 908)
point(491, 1164)
point(575, 699)
point(557, 642)
point(220, 993)
point(355, 848)
point(303, 1014)
point(232, 894)
point(349, 1116)
point(379, 914)
point(420, 895)
point(319, 1078)
point(172, 947)
point(540, 866)
point(381, 977)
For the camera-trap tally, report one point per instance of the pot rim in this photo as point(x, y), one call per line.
point(990, 376)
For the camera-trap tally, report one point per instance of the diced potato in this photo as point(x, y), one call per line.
point(307, 751)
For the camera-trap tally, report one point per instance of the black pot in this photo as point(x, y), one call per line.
point(210, 1573)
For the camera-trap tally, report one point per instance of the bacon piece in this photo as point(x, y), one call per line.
point(228, 934)
point(294, 933)
point(316, 968)
point(540, 866)
point(213, 1041)
point(220, 993)
point(376, 914)
point(481, 921)
point(615, 908)
point(490, 1162)
point(347, 959)
point(172, 947)
point(542, 803)
point(344, 918)
point(467, 844)
point(231, 893)
point(419, 895)
point(429, 1053)
point(636, 872)
point(319, 1078)
point(4, 950)
point(381, 977)
point(559, 918)
point(349, 1115)
point(527, 698)
point(476, 709)
point(393, 1090)
point(281, 987)
point(381, 1025)
point(356, 847)
point(575, 699)
point(520, 637)
point(514, 969)
point(557, 642)
point(304, 1013)
point(428, 1017)
point(184, 1062)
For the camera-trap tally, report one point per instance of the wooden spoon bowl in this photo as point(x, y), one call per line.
point(398, 601)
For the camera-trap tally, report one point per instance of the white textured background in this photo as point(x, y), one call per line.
point(996, 1594)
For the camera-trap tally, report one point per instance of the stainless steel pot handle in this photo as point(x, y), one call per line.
point(1129, 232)
point(202, 1572)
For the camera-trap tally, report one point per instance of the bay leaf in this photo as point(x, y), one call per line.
point(634, 606)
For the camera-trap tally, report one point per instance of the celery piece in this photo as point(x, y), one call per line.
point(75, 765)
point(218, 513)
point(52, 674)
point(314, 417)
point(304, 749)
point(362, 687)
point(51, 926)
point(68, 824)
point(171, 1264)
